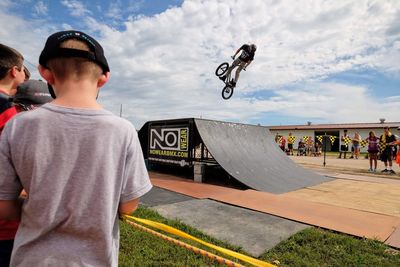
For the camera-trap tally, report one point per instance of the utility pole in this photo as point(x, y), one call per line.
point(325, 137)
point(120, 111)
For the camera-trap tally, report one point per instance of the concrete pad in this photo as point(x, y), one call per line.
point(381, 198)
point(254, 231)
point(158, 196)
point(341, 219)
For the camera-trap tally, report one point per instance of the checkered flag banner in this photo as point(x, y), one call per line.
point(320, 138)
point(279, 139)
point(291, 139)
point(363, 143)
point(305, 138)
point(382, 146)
point(332, 138)
point(347, 140)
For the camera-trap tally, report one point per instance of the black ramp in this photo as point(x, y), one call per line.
point(250, 155)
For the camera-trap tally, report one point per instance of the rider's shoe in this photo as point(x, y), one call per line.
point(233, 83)
point(222, 78)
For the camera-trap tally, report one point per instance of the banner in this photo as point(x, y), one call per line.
point(169, 144)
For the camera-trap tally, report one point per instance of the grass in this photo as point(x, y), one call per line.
point(138, 248)
point(310, 247)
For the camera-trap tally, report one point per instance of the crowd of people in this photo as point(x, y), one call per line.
point(68, 168)
point(383, 148)
point(305, 147)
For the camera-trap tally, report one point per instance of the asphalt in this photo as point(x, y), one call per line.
point(254, 231)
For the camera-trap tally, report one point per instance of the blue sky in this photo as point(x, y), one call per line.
point(320, 61)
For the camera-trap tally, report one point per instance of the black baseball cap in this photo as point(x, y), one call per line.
point(32, 92)
point(52, 49)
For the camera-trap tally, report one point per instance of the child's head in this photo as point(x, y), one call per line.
point(73, 55)
point(11, 65)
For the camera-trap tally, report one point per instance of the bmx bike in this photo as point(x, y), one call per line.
point(227, 91)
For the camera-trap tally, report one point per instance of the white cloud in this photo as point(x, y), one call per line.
point(76, 8)
point(163, 66)
point(332, 102)
point(40, 8)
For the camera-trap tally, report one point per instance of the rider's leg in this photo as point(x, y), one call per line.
point(239, 69)
point(235, 63)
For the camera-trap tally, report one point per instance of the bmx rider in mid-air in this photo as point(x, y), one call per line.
point(242, 62)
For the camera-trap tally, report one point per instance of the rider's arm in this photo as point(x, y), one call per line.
point(237, 51)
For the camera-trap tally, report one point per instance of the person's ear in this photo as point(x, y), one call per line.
point(46, 74)
point(103, 79)
point(13, 71)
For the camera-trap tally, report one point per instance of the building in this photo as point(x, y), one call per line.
point(335, 130)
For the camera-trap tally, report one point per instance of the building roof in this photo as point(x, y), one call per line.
point(336, 126)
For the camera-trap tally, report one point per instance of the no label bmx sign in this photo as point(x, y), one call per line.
point(169, 144)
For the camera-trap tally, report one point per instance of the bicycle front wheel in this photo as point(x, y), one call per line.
point(222, 69)
point(227, 92)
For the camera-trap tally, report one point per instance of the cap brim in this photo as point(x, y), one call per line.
point(27, 73)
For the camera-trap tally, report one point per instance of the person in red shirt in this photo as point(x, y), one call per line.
point(373, 149)
point(12, 73)
point(282, 145)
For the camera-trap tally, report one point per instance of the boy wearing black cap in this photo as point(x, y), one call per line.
point(80, 164)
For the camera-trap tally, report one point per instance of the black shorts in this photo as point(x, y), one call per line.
point(344, 148)
point(5, 252)
point(290, 146)
point(386, 155)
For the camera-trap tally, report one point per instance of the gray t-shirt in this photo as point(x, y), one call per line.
point(76, 165)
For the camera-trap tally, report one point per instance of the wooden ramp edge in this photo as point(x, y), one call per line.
point(345, 220)
point(394, 239)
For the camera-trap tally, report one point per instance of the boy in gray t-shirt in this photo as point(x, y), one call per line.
point(79, 164)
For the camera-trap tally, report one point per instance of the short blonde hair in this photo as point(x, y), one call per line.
point(74, 67)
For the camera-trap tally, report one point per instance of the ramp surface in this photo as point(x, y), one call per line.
point(250, 155)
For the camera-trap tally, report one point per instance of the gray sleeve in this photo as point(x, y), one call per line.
point(136, 181)
point(10, 186)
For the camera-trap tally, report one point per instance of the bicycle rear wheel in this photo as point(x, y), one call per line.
point(227, 92)
point(222, 69)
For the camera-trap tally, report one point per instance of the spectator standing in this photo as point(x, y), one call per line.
point(387, 139)
point(356, 145)
point(89, 159)
point(373, 150)
point(12, 73)
point(301, 148)
point(282, 143)
point(277, 138)
point(344, 147)
point(395, 148)
point(310, 149)
point(397, 143)
point(290, 140)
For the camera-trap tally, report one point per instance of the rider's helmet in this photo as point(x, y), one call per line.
point(253, 47)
